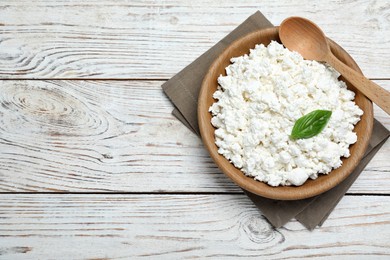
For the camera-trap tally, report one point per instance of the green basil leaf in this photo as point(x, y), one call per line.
point(311, 124)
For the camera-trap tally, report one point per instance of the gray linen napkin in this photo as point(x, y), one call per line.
point(183, 90)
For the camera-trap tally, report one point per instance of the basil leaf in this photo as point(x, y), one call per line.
point(311, 124)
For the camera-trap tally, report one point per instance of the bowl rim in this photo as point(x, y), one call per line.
point(261, 188)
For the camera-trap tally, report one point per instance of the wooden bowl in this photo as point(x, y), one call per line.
point(311, 187)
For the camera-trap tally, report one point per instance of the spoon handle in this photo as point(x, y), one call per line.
point(377, 94)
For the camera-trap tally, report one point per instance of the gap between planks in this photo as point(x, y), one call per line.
point(167, 193)
point(87, 79)
point(113, 79)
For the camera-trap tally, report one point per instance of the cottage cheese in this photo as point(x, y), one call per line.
point(258, 102)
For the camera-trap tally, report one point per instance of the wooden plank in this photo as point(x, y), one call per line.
point(156, 39)
point(182, 226)
point(98, 136)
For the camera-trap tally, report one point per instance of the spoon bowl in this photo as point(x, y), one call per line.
point(313, 47)
point(303, 36)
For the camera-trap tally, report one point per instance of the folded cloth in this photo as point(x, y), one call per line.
point(183, 90)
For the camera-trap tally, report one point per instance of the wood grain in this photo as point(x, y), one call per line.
point(119, 136)
point(156, 39)
point(181, 227)
point(115, 136)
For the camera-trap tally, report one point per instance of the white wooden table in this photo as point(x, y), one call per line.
point(94, 166)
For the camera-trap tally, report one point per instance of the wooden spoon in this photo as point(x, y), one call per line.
point(303, 36)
